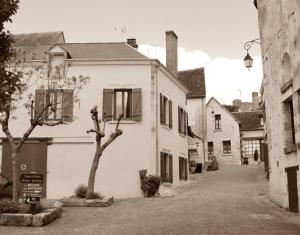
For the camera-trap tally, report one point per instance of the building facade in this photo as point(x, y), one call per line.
point(194, 80)
point(223, 133)
point(149, 95)
point(279, 24)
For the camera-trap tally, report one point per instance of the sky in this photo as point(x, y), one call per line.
point(211, 33)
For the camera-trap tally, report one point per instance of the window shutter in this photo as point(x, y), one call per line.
point(107, 104)
point(162, 167)
point(137, 104)
point(185, 122)
point(170, 115)
point(161, 108)
point(186, 169)
point(179, 120)
point(67, 104)
point(170, 168)
point(180, 168)
point(40, 103)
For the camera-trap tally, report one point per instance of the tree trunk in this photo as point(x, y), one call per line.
point(15, 176)
point(92, 176)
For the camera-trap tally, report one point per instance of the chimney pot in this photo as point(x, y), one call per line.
point(132, 42)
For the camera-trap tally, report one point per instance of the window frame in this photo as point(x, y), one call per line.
point(210, 148)
point(122, 91)
point(226, 147)
point(217, 121)
point(54, 111)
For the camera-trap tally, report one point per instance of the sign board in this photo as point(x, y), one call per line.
point(32, 200)
point(32, 187)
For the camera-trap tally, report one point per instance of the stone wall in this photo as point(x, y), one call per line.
point(279, 24)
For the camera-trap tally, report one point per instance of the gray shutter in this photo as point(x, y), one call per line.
point(137, 104)
point(107, 105)
point(68, 104)
point(170, 168)
point(185, 122)
point(162, 167)
point(179, 120)
point(288, 139)
point(170, 114)
point(161, 108)
point(40, 104)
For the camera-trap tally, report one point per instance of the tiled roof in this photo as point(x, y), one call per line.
point(34, 45)
point(47, 38)
point(194, 80)
point(249, 120)
point(101, 51)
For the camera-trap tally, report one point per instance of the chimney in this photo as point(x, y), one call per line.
point(132, 42)
point(171, 52)
point(255, 100)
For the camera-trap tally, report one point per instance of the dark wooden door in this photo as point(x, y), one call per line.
point(32, 159)
point(292, 188)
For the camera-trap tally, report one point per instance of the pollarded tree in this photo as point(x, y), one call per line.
point(100, 147)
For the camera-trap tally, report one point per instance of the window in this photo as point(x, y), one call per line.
point(217, 121)
point(249, 147)
point(183, 174)
point(54, 105)
point(210, 148)
point(166, 115)
point(182, 121)
point(226, 147)
point(122, 104)
point(118, 101)
point(166, 167)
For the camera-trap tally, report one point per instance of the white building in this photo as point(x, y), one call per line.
point(194, 80)
point(122, 80)
point(223, 133)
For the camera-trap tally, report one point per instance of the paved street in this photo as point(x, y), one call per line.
point(232, 200)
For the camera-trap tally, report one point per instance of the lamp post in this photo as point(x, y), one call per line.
point(248, 61)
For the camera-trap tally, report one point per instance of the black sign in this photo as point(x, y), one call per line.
point(32, 200)
point(32, 187)
point(32, 178)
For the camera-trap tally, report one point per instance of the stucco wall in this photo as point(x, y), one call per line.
point(229, 131)
point(279, 24)
point(177, 145)
point(197, 121)
point(117, 174)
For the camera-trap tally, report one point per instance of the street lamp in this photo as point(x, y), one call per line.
point(248, 61)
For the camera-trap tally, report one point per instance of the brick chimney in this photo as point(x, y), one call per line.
point(255, 100)
point(171, 52)
point(132, 42)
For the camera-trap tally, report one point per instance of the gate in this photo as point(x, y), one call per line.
point(32, 159)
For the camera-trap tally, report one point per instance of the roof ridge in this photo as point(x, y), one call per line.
point(186, 70)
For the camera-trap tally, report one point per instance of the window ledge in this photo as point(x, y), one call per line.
point(291, 148)
point(226, 154)
point(217, 130)
point(122, 122)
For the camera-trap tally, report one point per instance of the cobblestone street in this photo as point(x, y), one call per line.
point(232, 200)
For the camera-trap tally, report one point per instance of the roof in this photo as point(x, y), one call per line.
point(35, 45)
point(118, 50)
point(46, 38)
point(226, 110)
point(249, 120)
point(194, 80)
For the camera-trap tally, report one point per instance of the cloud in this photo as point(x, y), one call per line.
point(226, 79)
